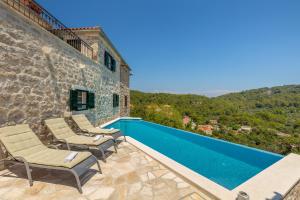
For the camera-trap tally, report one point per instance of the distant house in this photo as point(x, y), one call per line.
point(193, 125)
point(206, 129)
point(283, 134)
point(245, 129)
point(186, 120)
point(213, 122)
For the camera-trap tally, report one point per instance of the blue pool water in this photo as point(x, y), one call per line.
point(225, 163)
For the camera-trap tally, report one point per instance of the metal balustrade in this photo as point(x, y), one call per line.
point(35, 12)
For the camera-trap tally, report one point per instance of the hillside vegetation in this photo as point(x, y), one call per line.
point(272, 113)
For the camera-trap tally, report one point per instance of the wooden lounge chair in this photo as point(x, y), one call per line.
point(85, 125)
point(64, 134)
point(24, 147)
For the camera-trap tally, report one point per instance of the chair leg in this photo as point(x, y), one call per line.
point(99, 168)
point(103, 154)
point(115, 146)
point(77, 181)
point(28, 173)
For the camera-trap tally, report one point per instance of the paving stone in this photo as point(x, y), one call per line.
point(146, 191)
point(102, 193)
point(169, 175)
point(160, 172)
point(182, 185)
point(134, 188)
point(150, 176)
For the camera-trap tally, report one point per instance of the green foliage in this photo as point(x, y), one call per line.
point(267, 110)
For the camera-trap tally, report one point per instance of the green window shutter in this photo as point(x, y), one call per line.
point(73, 100)
point(113, 65)
point(118, 100)
point(91, 100)
point(115, 100)
point(106, 59)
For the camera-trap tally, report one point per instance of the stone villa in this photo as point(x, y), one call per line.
point(50, 75)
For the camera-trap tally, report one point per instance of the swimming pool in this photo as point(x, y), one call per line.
point(225, 163)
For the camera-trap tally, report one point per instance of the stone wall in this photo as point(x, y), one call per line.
point(124, 110)
point(125, 91)
point(37, 71)
point(97, 39)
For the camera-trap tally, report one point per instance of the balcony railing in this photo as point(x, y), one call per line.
point(36, 13)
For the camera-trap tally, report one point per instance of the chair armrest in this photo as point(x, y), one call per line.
point(63, 141)
point(21, 159)
point(88, 134)
point(52, 146)
point(84, 131)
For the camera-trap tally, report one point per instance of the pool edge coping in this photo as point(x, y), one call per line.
point(117, 119)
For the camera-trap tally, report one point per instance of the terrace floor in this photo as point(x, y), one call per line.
point(129, 174)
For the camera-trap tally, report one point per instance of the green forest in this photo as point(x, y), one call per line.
point(272, 113)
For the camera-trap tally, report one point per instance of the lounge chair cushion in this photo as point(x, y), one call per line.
point(82, 121)
point(53, 157)
point(103, 131)
point(85, 140)
point(84, 124)
point(20, 141)
point(61, 130)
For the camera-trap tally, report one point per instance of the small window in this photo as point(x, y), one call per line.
point(106, 59)
point(109, 61)
point(115, 100)
point(125, 101)
point(113, 65)
point(81, 100)
point(91, 100)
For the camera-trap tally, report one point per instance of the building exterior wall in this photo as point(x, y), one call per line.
point(37, 71)
point(94, 36)
point(125, 91)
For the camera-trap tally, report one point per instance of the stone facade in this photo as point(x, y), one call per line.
point(124, 91)
point(96, 38)
point(37, 71)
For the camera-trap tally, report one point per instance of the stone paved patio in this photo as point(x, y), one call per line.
point(129, 174)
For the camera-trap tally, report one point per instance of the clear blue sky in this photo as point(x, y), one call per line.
point(197, 46)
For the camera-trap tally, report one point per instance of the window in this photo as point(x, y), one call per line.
point(81, 100)
point(115, 100)
point(109, 61)
point(91, 100)
point(125, 102)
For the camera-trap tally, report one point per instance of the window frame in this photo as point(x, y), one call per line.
point(77, 104)
point(116, 100)
point(109, 61)
point(125, 101)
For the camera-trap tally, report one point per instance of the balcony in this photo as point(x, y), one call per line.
point(39, 15)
